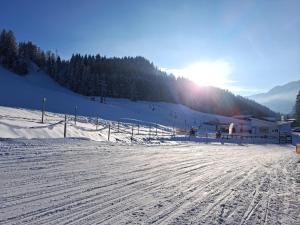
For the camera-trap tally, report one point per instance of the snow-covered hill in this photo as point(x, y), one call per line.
point(28, 91)
point(280, 98)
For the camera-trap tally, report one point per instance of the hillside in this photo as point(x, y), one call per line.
point(280, 98)
point(28, 91)
point(134, 78)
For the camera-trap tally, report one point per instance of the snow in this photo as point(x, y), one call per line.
point(24, 123)
point(148, 179)
point(72, 181)
point(28, 92)
point(20, 113)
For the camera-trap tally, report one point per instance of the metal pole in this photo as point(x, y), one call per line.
point(75, 119)
point(97, 122)
point(65, 126)
point(108, 132)
point(174, 131)
point(43, 109)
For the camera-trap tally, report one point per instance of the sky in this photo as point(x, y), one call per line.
point(245, 46)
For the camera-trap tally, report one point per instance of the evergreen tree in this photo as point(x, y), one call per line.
point(8, 49)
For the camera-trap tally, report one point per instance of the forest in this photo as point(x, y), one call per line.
point(134, 78)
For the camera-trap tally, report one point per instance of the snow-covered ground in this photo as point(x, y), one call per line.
point(71, 181)
point(28, 92)
point(21, 103)
point(24, 123)
point(144, 175)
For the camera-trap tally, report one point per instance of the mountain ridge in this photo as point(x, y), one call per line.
point(280, 98)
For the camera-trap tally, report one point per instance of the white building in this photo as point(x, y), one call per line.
point(248, 125)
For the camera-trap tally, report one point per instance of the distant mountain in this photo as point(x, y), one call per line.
point(280, 98)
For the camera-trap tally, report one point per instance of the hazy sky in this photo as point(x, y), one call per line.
point(246, 46)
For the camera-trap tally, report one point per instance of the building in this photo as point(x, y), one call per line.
point(267, 127)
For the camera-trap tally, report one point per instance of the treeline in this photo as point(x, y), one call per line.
point(134, 78)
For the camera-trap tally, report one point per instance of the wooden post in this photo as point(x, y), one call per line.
point(131, 132)
point(65, 126)
point(173, 131)
point(298, 149)
point(118, 126)
point(138, 129)
point(156, 130)
point(75, 119)
point(97, 123)
point(108, 132)
point(43, 109)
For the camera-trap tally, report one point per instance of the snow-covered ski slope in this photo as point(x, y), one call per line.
point(28, 91)
point(67, 181)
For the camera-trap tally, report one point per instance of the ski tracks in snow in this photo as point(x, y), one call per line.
point(86, 182)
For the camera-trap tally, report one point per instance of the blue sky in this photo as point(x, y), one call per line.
point(245, 46)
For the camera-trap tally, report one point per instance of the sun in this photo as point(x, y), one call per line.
point(206, 73)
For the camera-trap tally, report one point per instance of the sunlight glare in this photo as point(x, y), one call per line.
point(206, 73)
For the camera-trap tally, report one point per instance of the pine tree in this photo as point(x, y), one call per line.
point(8, 49)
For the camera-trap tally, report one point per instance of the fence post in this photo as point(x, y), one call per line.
point(173, 133)
point(108, 132)
point(138, 129)
point(97, 123)
point(156, 130)
point(131, 132)
point(43, 109)
point(65, 126)
point(118, 126)
point(149, 131)
point(75, 119)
